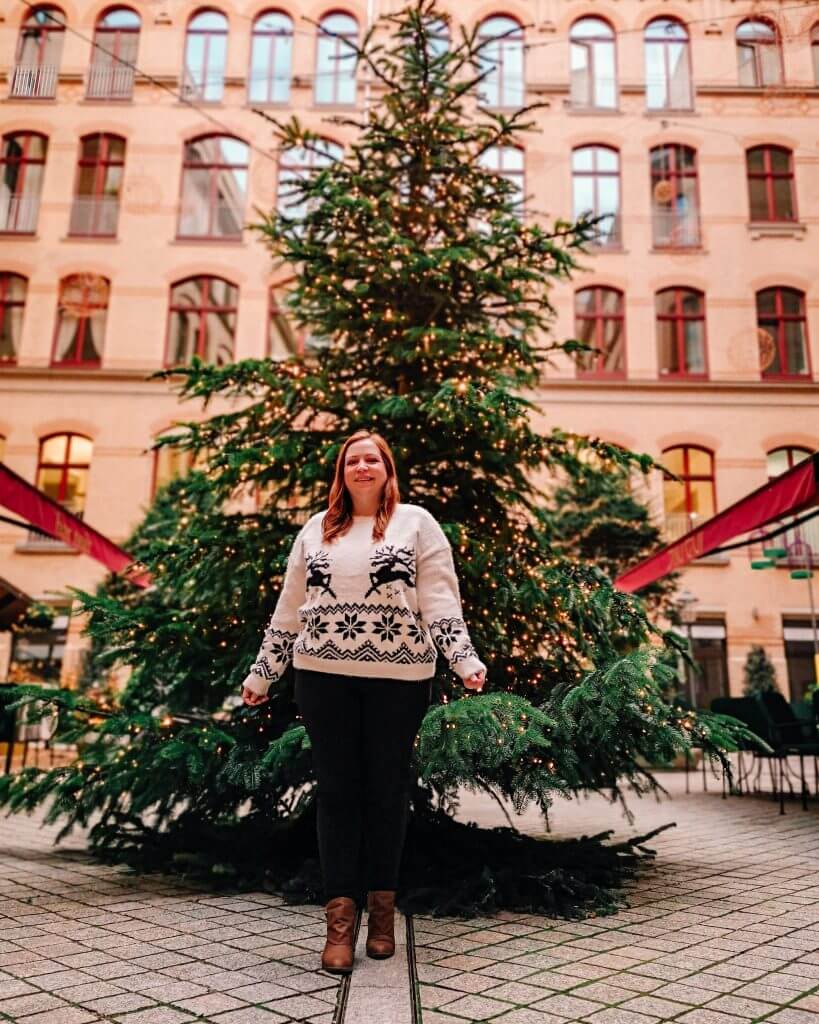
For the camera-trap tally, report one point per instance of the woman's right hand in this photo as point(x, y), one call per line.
point(251, 698)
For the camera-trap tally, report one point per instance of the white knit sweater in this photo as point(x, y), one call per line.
point(360, 607)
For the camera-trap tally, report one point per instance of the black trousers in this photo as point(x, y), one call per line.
point(361, 731)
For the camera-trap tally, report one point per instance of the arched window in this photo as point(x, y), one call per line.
point(780, 460)
point(296, 165)
point(271, 57)
point(593, 65)
point(214, 188)
point(782, 332)
point(202, 321)
point(62, 469)
point(814, 51)
point(114, 54)
point(22, 164)
point(501, 57)
point(675, 215)
point(771, 184)
point(336, 59)
point(681, 332)
point(81, 313)
point(600, 321)
point(12, 303)
point(668, 65)
point(508, 162)
point(39, 49)
point(759, 53)
point(596, 189)
point(203, 76)
point(692, 498)
point(95, 210)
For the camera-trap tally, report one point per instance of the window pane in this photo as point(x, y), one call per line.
point(780, 160)
point(49, 482)
point(746, 65)
point(667, 346)
point(756, 159)
point(702, 498)
point(584, 301)
point(54, 449)
point(184, 329)
point(609, 301)
point(679, 87)
point(783, 198)
point(771, 64)
point(220, 329)
point(673, 495)
point(791, 302)
point(79, 449)
point(766, 301)
point(694, 338)
point(613, 345)
point(76, 482)
point(699, 462)
point(655, 76)
point(604, 75)
point(777, 462)
point(795, 347)
point(583, 196)
point(665, 302)
point(758, 196)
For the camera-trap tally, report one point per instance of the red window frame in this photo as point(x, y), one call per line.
point(679, 318)
point(599, 317)
point(340, 51)
point(665, 44)
point(101, 162)
point(590, 43)
point(23, 162)
point(115, 40)
point(64, 465)
point(768, 175)
point(41, 30)
point(756, 45)
point(505, 40)
point(200, 86)
point(7, 305)
point(271, 37)
point(674, 172)
point(687, 477)
point(201, 310)
point(214, 169)
point(790, 450)
point(778, 319)
point(83, 326)
point(614, 239)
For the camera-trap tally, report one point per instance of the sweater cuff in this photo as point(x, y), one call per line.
point(468, 666)
point(256, 684)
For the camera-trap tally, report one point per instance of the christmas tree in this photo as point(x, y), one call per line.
point(759, 672)
point(431, 299)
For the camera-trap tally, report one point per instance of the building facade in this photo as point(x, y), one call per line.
point(134, 155)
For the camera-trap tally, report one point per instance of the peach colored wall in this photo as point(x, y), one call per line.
point(735, 413)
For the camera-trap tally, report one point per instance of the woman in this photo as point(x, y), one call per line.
point(370, 590)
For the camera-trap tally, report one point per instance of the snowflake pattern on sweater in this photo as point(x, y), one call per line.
point(361, 607)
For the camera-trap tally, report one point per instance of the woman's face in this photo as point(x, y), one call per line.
point(364, 471)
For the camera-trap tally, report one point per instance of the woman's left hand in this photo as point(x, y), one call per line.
point(475, 681)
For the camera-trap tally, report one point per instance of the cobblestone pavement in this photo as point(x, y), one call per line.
point(83, 943)
point(722, 928)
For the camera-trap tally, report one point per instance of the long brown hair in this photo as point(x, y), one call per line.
point(339, 515)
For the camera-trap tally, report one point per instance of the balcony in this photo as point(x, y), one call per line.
point(677, 524)
point(94, 216)
point(802, 545)
point(18, 214)
point(675, 230)
point(216, 221)
point(34, 81)
point(109, 82)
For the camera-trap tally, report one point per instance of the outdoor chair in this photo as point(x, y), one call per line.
point(795, 736)
point(754, 717)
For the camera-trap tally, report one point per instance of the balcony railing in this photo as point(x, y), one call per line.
point(673, 230)
point(677, 524)
point(199, 219)
point(109, 82)
point(18, 214)
point(94, 216)
point(802, 545)
point(34, 81)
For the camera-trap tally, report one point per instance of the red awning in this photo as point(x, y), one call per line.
point(26, 501)
point(787, 494)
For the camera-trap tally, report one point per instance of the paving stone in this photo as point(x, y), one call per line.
point(792, 1015)
point(297, 1006)
point(475, 1007)
point(618, 1015)
point(157, 1015)
point(66, 1015)
point(706, 1016)
point(567, 1005)
point(516, 992)
point(256, 1015)
point(37, 1002)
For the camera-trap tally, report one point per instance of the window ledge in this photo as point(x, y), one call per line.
point(679, 250)
point(19, 236)
point(593, 111)
point(183, 240)
point(777, 229)
point(105, 239)
point(670, 111)
point(44, 547)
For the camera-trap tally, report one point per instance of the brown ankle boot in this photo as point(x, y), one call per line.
point(338, 949)
point(381, 924)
